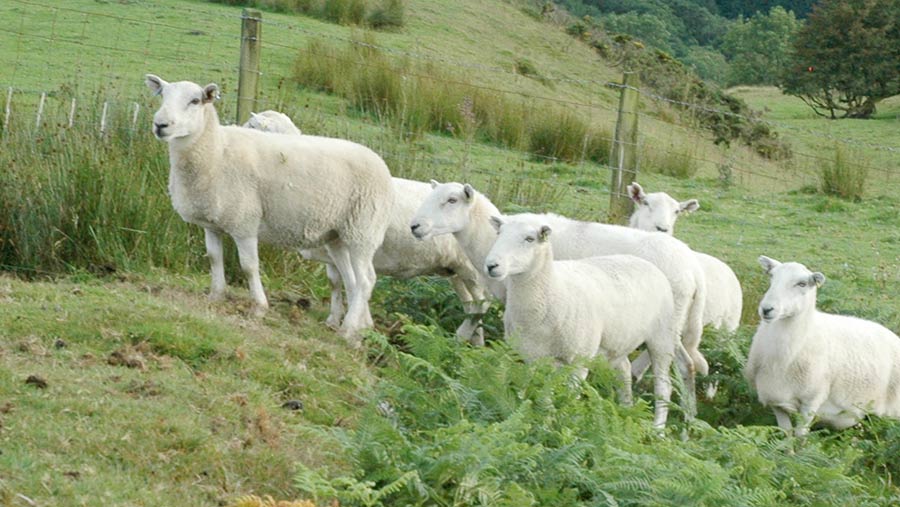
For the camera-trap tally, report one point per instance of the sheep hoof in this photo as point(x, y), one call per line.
point(258, 311)
point(333, 322)
point(353, 338)
point(215, 297)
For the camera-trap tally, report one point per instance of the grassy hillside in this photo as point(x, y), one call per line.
point(155, 397)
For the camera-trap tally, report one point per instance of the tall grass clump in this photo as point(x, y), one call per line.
point(561, 134)
point(423, 97)
point(377, 14)
point(77, 199)
point(452, 425)
point(677, 162)
point(845, 176)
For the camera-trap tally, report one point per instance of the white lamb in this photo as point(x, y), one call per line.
point(291, 191)
point(817, 364)
point(724, 299)
point(401, 255)
point(454, 208)
point(272, 121)
point(570, 309)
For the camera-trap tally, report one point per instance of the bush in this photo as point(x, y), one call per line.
point(843, 177)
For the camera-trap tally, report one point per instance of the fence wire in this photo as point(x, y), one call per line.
point(649, 143)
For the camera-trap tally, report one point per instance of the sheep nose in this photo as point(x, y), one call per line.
point(767, 312)
point(490, 267)
point(413, 227)
point(158, 127)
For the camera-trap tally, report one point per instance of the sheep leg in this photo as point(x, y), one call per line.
point(470, 330)
point(340, 256)
point(216, 265)
point(358, 316)
point(662, 386)
point(337, 296)
point(639, 365)
point(807, 415)
point(783, 418)
point(623, 366)
point(249, 256)
point(693, 332)
point(688, 375)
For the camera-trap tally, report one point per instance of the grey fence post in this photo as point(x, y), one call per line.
point(623, 157)
point(248, 80)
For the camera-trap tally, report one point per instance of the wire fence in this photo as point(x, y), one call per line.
point(74, 50)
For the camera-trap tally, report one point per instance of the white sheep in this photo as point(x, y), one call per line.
point(401, 255)
point(454, 208)
point(569, 309)
point(290, 191)
point(658, 211)
point(272, 121)
point(817, 364)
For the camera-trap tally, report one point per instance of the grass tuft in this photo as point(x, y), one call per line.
point(842, 178)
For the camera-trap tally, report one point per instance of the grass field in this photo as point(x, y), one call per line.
point(155, 397)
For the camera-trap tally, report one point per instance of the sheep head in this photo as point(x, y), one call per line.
point(657, 211)
point(792, 289)
point(182, 112)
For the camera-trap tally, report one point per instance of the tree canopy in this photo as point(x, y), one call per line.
point(846, 58)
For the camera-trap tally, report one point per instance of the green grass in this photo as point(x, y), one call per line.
point(195, 420)
point(113, 270)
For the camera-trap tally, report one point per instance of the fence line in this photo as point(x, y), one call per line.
point(590, 107)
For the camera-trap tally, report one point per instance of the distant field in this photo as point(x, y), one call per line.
point(814, 135)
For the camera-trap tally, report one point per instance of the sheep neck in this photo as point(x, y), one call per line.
point(477, 238)
point(785, 332)
point(194, 156)
point(534, 288)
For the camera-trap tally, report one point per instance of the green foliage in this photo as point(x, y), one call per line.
point(452, 425)
point(843, 178)
point(758, 47)
point(727, 117)
point(377, 14)
point(845, 59)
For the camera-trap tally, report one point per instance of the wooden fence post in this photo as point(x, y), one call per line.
point(623, 157)
point(248, 79)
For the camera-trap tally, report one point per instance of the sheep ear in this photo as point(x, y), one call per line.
point(155, 83)
point(469, 191)
point(210, 93)
point(497, 222)
point(689, 206)
point(434, 183)
point(253, 115)
point(637, 193)
point(818, 279)
point(544, 233)
point(768, 264)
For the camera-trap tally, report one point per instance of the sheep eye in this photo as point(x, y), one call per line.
point(451, 200)
point(529, 239)
point(801, 284)
point(195, 102)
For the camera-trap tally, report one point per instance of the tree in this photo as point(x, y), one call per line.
point(846, 58)
point(758, 47)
